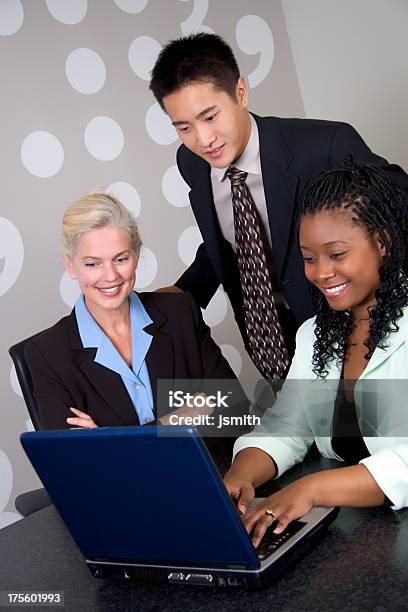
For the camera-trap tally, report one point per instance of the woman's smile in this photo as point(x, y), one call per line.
point(334, 291)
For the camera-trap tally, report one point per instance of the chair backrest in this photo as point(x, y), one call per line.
point(24, 378)
point(31, 501)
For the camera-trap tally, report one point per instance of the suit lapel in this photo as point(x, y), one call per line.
point(110, 386)
point(160, 356)
point(393, 342)
point(280, 186)
point(107, 383)
point(202, 203)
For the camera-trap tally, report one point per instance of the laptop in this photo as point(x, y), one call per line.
point(149, 504)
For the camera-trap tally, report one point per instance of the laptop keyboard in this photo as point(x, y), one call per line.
point(272, 541)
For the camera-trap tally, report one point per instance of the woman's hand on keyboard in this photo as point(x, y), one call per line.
point(251, 467)
point(241, 491)
point(286, 505)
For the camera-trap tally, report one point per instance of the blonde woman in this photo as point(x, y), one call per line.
point(99, 366)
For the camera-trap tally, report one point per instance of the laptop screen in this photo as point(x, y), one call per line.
point(127, 494)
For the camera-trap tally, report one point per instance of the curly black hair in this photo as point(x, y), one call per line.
point(380, 206)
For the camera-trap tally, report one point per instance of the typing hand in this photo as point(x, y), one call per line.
point(286, 505)
point(81, 420)
point(241, 491)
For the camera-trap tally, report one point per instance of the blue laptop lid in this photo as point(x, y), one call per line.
point(129, 494)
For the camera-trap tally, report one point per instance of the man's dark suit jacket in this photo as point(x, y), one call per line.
point(291, 151)
point(64, 372)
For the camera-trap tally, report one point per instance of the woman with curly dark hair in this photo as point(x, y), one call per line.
point(345, 387)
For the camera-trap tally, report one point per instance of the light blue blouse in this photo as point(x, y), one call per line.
point(135, 379)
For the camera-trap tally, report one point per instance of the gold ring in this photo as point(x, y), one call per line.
point(271, 513)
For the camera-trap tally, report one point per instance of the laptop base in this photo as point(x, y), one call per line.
point(227, 578)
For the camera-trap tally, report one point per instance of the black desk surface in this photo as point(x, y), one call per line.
point(360, 564)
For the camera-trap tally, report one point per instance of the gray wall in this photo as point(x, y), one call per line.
point(76, 113)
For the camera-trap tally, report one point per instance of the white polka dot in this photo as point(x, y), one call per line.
point(69, 290)
point(204, 28)
point(254, 37)
point(159, 126)
point(42, 154)
point(8, 518)
point(146, 268)
point(11, 254)
point(216, 310)
point(174, 188)
point(104, 138)
point(142, 56)
point(85, 71)
point(188, 244)
point(11, 17)
point(15, 385)
point(233, 356)
point(127, 194)
point(6, 486)
point(6, 480)
point(68, 12)
point(193, 23)
point(131, 6)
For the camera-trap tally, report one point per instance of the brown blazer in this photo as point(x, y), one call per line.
point(64, 372)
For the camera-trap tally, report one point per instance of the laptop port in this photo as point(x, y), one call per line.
point(235, 581)
point(175, 577)
point(201, 579)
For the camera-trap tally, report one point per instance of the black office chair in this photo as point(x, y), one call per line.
point(29, 502)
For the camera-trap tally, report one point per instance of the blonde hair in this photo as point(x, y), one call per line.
point(95, 211)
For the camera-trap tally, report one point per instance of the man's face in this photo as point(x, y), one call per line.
point(210, 122)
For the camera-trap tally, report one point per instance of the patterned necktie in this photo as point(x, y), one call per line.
point(266, 341)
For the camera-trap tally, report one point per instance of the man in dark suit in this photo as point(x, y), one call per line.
point(197, 82)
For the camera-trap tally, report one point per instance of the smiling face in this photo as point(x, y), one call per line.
point(341, 260)
point(210, 122)
point(104, 265)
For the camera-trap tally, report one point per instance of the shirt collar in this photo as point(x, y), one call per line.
point(141, 340)
point(92, 336)
point(89, 330)
point(249, 161)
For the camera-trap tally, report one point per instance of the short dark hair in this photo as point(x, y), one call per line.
point(198, 57)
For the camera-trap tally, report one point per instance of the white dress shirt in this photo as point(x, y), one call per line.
point(248, 162)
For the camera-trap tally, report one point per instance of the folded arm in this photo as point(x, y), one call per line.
point(56, 406)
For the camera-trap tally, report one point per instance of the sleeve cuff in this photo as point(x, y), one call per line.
point(389, 468)
point(279, 451)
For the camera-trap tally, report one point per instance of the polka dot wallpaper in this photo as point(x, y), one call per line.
point(77, 114)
